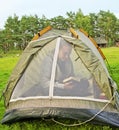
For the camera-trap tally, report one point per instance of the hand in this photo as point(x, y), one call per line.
point(68, 85)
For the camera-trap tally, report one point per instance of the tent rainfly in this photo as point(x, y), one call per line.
point(62, 74)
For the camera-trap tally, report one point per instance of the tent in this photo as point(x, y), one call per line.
point(85, 92)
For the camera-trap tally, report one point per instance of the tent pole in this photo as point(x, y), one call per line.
point(74, 33)
point(41, 32)
point(94, 42)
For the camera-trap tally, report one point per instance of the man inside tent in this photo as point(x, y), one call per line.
point(41, 80)
point(64, 70)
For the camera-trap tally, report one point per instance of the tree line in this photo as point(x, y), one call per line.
point(18, 32)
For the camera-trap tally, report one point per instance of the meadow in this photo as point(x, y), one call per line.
point(8, 62)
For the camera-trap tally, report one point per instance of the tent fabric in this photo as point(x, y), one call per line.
point(85, 53)
point(103, 118)
point(88, 42)
point(24, 95)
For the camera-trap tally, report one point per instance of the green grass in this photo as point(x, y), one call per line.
point(7, 63)
point(112, 56)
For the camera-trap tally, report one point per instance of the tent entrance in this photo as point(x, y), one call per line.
point(57, 70)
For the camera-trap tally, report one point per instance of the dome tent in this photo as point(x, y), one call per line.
point(36, 87)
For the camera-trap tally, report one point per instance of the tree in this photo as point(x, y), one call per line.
point(59, 22)
point(27, 28)
point(93, 22)
point(5, 40)
point(43, 22)
point(71, 19)
point(78, 20)
point(21, 31)
point(11, 30)
point(107, 24)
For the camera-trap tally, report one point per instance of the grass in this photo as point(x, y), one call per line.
point(112, 56)
point(7, 63)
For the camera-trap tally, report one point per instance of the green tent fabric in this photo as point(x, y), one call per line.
point(27, 91)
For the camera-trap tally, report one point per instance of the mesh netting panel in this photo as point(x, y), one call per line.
point(70, 78)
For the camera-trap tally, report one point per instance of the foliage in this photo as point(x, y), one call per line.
point(107, 25)
point(7, 63)
point(18, 32)
point(82, 21)
point(59, 22)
